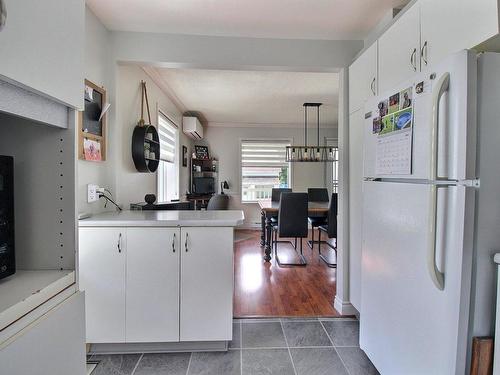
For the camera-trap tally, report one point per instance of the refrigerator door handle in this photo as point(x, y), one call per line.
point(437, 276)
point(441, 87)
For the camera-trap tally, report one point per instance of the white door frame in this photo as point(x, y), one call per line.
point(342, 299)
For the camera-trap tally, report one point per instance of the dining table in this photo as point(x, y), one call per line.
point(270, 209)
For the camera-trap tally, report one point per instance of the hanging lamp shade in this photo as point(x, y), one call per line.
point(310, 153)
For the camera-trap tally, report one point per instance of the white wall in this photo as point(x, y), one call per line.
point(224, 145)
point(98, 69)
point(131, 186)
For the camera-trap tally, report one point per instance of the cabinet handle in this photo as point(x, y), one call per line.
point(119, 245)
point(412, 59)
point(372, 86)
point(173, 244)
point(186, 243)
point(423, 53)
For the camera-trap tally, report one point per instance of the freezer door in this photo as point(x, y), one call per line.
point(408, 325)
point(444, 122)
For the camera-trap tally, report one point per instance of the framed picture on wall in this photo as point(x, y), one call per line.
point(201, 152)
point(92, 123)
point(184, 156)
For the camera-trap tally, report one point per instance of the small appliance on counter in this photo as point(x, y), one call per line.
point(7, 249)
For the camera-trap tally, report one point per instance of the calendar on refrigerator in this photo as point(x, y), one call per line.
point(393, 153)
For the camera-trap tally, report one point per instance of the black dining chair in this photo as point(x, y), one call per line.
point(330, 229)
point(316, 195)
point(292, 223)
point(275, 197)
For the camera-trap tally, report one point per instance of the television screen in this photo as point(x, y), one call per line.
point(204, 185)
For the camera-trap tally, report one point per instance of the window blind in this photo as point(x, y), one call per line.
point(263, 153)
point(167, 132)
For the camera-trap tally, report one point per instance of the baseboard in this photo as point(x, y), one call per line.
point(159, 347)
point(252, 226)
point(345, 308)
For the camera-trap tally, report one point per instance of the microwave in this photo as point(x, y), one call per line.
point(7, 246)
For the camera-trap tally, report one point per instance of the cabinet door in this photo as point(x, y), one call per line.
point(42, 47)
point(356, 133)
point(206, 284)
point(363, 78)
point(449, 26)
point(102, 257)
point(399, 50)
point(152, 284)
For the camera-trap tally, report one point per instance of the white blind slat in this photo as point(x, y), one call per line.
point(263, 153)
point(167, 132)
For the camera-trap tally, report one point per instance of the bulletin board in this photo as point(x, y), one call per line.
point(92, 124)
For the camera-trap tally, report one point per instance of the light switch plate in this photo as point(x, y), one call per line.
point(92, 195)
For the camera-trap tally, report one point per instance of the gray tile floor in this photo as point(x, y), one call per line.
point(260, 347)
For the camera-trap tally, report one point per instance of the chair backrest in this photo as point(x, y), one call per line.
point(218, 202)
point(332, 216)
point(292, 215)
point(317, 194)
point(276, 193)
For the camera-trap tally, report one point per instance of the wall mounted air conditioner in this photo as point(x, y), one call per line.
point(192, 127)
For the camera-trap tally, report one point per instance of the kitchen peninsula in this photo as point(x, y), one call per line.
point(158, 280)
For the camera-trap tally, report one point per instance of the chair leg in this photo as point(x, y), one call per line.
point(322, 257)
point(302, 259)
point(311, 242)
point(319, 241)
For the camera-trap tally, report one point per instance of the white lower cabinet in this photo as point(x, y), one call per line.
point(157, 284)
point(152, 293)
point(102, 262)
point(206, 284)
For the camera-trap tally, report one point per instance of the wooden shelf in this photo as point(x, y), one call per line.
point(151, 141)
point(26, 290)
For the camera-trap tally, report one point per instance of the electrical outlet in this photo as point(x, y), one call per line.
point(92, 195)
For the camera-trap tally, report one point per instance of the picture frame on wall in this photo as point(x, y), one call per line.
point(184, 156)
point(92, 124)
point(201, 152)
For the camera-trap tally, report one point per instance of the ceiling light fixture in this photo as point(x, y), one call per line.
point(310, 153)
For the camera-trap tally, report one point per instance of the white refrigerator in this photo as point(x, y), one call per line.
point(419, 192)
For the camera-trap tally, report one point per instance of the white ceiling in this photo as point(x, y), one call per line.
point(289, 19)
point(251, 98)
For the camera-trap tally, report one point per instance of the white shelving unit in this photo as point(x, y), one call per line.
point(42, 141)
point(30, 289)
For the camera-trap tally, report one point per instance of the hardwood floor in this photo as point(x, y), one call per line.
point(267, 290)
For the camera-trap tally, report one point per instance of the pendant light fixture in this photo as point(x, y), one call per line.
point(308, 153)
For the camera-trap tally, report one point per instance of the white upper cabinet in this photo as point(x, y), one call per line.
point(399, 50)
point(42, 47)
point(448, 26)
point(363, 78)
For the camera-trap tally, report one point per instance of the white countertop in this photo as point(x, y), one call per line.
point(230, 218)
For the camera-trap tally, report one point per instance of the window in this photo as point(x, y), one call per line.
point(263, 167)
point(168, 170)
